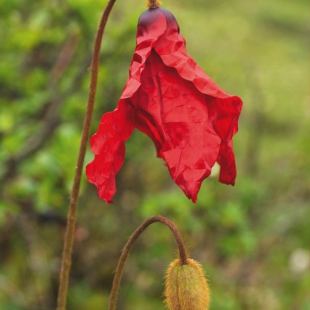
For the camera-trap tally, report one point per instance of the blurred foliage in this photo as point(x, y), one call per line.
point(252, 239)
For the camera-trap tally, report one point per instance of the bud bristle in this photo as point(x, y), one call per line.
point(186, 286)
point(153, 3)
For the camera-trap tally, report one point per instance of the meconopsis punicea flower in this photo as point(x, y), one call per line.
point(167, 96)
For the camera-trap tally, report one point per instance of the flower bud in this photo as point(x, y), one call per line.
point(186, 287)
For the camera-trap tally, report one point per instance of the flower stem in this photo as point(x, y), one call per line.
point(127, 248)
point(72, 212)
point(153, 3)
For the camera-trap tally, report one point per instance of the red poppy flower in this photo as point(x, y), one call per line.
point(167, 96)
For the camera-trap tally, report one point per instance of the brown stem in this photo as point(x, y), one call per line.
point(72, 213)
point(128, 246)
point(152, 4)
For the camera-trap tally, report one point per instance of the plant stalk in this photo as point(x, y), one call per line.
point(72, 212)
point(127, 248)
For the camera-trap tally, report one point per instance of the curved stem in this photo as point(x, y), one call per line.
point(128, 246)
point(72, 213)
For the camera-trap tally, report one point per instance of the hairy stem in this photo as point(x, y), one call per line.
point(72, 213)
point(127, 248)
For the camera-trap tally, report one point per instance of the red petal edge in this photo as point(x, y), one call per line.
point(108, 145)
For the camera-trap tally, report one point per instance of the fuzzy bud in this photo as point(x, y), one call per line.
point(186, 286)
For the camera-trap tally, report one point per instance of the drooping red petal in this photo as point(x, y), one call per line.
point(190, 119)
point(108, 146)
point(226, 160)
point(178, 115)
point(168, 83)
point(224, 110)
point(146, 39)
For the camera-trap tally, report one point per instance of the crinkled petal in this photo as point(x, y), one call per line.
point(190, 119)
point(172, 50)
point(108, 146)
point(224, 109)
point(150, 28)
point(226, 160)
point(172, 110)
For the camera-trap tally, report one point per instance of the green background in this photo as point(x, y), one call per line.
point(252, 239)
